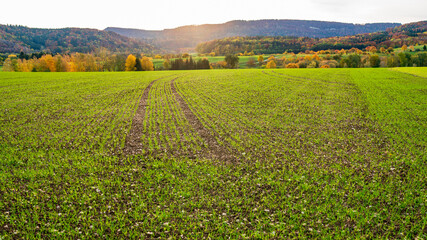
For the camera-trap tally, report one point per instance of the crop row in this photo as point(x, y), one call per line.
point(265, 115)
point(166, 130)
point(89, 113)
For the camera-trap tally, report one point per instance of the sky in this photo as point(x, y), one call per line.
point(164, 14)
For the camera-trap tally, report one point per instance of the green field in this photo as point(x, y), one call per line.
point(257, 154)
point(242, 59)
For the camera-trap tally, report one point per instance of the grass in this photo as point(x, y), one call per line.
point(307, 153)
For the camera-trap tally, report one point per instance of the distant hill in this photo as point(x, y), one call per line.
point(190, 36)
point(409, 34)
point(14, 39)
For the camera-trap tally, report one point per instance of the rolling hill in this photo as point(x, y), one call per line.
point(190, 36)
point(15, 39)
point(409, 34)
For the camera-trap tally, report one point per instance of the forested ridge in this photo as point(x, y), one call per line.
point(190, 36)
point(409, 34)
point(14, 39)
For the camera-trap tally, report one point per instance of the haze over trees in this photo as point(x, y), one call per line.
point(364, 50)
point(189, 36)
point(409, 34)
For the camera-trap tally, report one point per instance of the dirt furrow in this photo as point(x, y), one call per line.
point(133, 142)
point(214, 151)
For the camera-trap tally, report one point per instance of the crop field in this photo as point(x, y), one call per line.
point(220, 154)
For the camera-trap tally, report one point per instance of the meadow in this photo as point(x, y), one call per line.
point(240, 154)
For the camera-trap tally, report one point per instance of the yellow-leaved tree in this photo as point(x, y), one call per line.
point(10, 65)
point(50, 63)
point(404, 48)
point(147, 64)
point(260, 59)
point(25, 65)
point(130, 63)
point(166, 64)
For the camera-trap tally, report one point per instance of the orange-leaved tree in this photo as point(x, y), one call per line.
point(271, 64)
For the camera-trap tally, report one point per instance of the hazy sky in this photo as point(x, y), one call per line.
point(161, 14)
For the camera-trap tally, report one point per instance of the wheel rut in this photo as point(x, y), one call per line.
point(133, 142)
point(214, 150)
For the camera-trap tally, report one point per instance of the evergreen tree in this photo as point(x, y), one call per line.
point(22, 55)
point(189, 64)
point(138, 64)
point(422, 60)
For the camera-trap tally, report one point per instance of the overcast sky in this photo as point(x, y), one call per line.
point(161, 14)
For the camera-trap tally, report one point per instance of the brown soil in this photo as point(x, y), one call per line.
point(133, 143)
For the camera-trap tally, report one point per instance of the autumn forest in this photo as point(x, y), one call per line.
point(25, 49)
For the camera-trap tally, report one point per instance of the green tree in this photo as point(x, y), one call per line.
point(355, 61)
point(392, 61)
point(374, 60)
point(404, 59)
point(422, 60)
point(9, 65)
point(232, 61)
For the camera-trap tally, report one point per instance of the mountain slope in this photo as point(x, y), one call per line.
point(14, 39)
point(190, 36)
point(409, 34)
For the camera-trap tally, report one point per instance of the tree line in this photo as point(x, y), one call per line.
point(189, 64)
point(344, 59)
point(100, 61)
point(104, 61)
point(408, 34)
point(76, 62)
